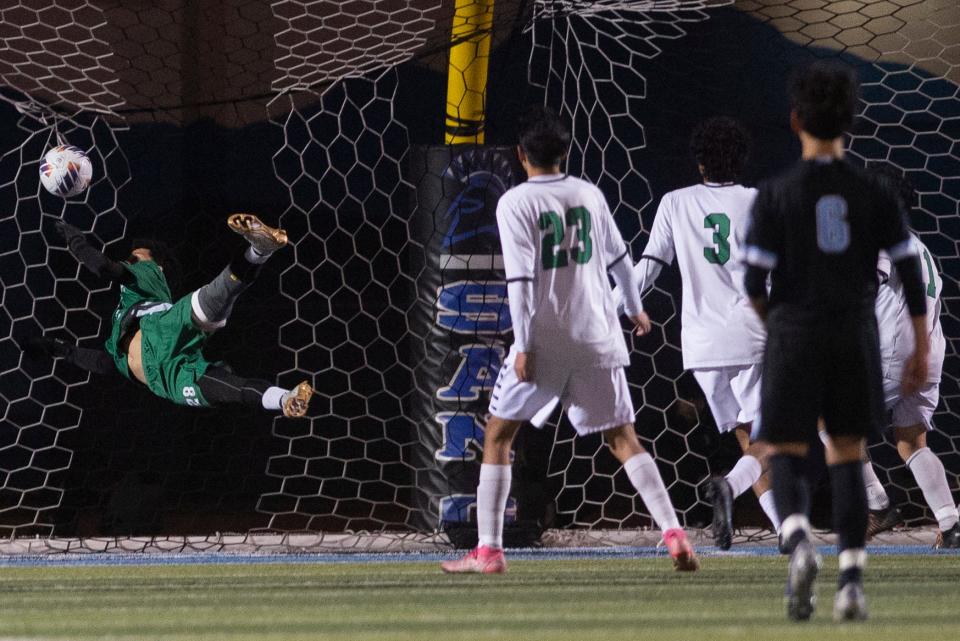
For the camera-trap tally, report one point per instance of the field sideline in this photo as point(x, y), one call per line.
point(736, 597)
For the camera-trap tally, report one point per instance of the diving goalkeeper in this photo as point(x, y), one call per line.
point(159, 342)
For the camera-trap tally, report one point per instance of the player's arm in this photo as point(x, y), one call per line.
point(884, 267)
point(907, 263)
point(627, 282)
point(658, 253)
point(895, 239)
point(620, 268)
point(519, 261)
point(95, 361)
point(91, 258)
point(762, 250)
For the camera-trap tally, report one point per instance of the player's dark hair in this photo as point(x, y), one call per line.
point(722, 146)
point(824, 97)
point(544, 137)
point(895, 182)
point(163, 255)
point(161, 252)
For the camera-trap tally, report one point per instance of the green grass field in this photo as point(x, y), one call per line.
point(911, 597)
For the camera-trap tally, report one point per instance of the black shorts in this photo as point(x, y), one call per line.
point(820, 367)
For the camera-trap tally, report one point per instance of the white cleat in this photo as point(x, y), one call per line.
point(850, 604)
point(801, 581)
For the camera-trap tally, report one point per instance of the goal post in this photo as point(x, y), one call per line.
point(467, 74)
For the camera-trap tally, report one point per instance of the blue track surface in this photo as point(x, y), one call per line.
point(559, 554)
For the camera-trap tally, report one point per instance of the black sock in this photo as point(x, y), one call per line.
point(791, 495)
point(849, 512)
point(220, 386)
point(850, 575)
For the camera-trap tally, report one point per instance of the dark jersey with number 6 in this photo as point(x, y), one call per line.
point(819, 229)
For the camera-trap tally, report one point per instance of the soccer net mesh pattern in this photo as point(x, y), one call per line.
point(342, 89)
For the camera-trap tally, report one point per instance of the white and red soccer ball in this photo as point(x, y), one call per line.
point(66, 171)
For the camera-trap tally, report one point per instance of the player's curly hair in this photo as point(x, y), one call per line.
point(722, 146)
point(824, 97)
point(544, 137)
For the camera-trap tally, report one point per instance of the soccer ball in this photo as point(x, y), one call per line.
point(66, 171)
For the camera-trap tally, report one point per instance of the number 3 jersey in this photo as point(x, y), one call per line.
point(557, 231)
point(705, 226)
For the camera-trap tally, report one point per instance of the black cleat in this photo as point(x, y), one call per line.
point(801, 579)
point(949, 540)
point(719, 492)
point(882, 520)
point(850, 604)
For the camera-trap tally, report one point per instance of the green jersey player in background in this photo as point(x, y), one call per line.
point(159, 343)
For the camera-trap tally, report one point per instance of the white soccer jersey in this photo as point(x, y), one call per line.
point(893, 317)
point(705, 227)
point(558, 232)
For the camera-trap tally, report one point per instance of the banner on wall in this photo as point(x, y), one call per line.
point(464, 316)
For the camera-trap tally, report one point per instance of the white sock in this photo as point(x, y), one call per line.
point(744, 474)
point(255, 257)
point(646, 480)
point(852, 558)
point(928, 471)
point(824, 437)
point(272, 399)
point(492, 492)
point(793, 523)
point(770, 509)
point(877, 498)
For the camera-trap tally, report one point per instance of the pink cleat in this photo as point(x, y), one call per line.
point(482, 560)
point(684, 558)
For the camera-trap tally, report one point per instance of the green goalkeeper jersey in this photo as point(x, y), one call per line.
point(149, 286)
point(171, 346)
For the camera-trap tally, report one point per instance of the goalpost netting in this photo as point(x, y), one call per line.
point(324, 116)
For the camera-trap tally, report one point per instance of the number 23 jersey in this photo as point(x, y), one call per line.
point(705, 226)
point(557, 232)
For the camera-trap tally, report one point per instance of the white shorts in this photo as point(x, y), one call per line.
point(916, 409)
point(733, 393)
point(596, 399)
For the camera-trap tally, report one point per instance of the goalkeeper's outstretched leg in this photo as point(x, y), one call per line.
point(212, 303)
